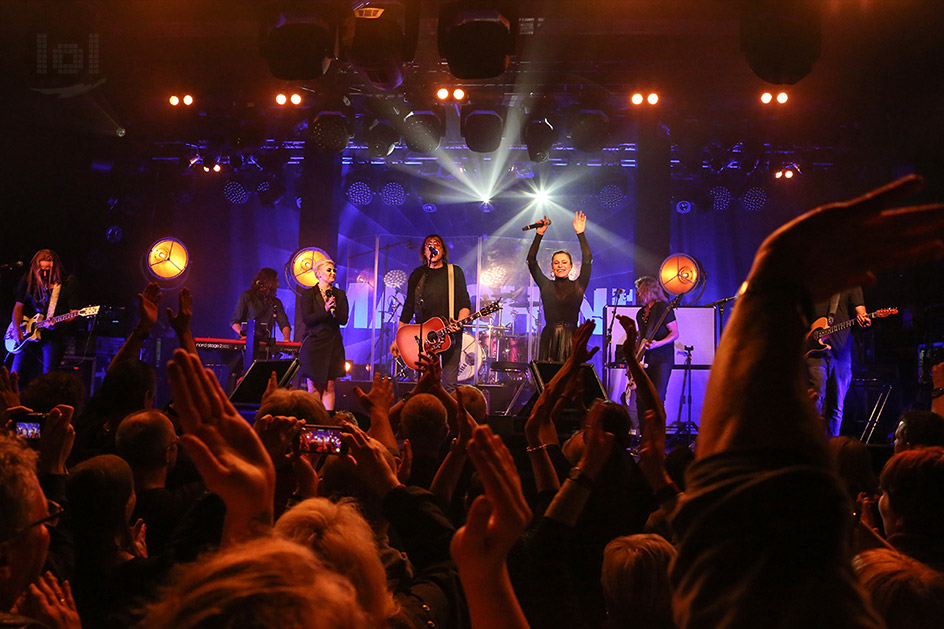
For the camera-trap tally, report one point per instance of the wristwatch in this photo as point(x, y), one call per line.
point(577, 475)
point(937, 392)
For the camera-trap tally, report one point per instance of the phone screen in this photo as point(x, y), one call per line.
point(320, 440)
point(29, 430)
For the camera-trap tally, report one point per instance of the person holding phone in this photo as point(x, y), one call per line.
point(324, 311)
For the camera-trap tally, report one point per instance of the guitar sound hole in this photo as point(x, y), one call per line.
point(431, 337)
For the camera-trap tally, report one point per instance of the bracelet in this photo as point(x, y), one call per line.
point(667, 493)
point(531, 449)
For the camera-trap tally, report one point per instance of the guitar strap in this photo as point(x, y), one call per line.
point(833, 307)
point(452, 292)
point(53, 300)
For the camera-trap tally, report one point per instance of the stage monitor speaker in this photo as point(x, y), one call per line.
point(542, 372)
point(253, 384)
point(696, 326)
point(674, 399)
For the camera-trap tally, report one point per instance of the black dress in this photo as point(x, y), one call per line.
point(561, 299)
point(322, 352)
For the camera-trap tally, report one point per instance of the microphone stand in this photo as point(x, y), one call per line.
point(719, 304)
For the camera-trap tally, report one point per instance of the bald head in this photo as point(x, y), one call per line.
point(144, 440)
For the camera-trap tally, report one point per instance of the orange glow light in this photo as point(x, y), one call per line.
point(782, 97)
point(766, 97)
point(652, 99)
point(458, 93)
point(296, 99)
point(788, 174)
point(636, 99)
point(442, 93)
point(281, 99)
point(188, 100)
point(174, 101)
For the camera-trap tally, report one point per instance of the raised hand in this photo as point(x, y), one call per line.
point(581, 338)
point(180, 321)
point(370, 457)
point(148, 300)
point(543, 228)
point(380, 396)
point(580, 222)
point(223, 447)
point(49, 603)
point(9, 389)
point(629, 326)
point(55, 443)
point(405, 462)
point(139, 538)
point(598, 444)
point(276, 434)
point(305, 465)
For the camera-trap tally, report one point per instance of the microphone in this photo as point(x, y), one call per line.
point(533, 226)
point(433, 251)
point(328, 295)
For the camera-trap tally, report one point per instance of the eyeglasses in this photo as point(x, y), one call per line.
point(55, 512)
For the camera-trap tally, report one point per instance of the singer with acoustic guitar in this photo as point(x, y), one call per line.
point(436, 290)
point(324, 310)
point(46, 291)
point(561, 296)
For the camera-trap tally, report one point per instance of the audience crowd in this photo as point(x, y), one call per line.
point(122, 515)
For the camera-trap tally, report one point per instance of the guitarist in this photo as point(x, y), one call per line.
point(428, 295)
point(660, 353)
point(831, 369)
point(44, 289)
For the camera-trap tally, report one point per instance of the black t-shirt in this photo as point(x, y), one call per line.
point(665, 353)
point(434, 294)
point(255, 306)
point(841, 341)
point(67, 300)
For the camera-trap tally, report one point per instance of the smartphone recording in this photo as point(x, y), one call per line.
point(320, 440)
point(29, 426)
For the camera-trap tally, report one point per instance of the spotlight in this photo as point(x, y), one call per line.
point(393, 193)
point(114, 233)
point(494, 276)
point(766, 97)
point(680, 274)
point(296, 99)
point(429, 208)
point(788, 174)
point(423, 131)
point(300, 267)
point(167, 259)
point(589, 130)
point(636, 99)
point(541, 197)
point(217, 168)
point(778, 174)
point(482, 130)
point(458, 94)
point(382, 138)
point(721, 198)
point(782, 97)
point(442, 93)
point(781, 40)
point(235, 192)
point(611, 191)
point(329, 132)
point(683, 207)
point(174, 101)
point(188, 100)
point(281, 99)
point(477, 38)
point(385, 36)
point(754, 199)
point(652, 99)
point(395, 279)
point(299, 38)
point(270, 192)
point(359, 188)
point(486, 206)
point(539, 137)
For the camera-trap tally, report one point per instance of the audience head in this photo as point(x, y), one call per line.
point(905, 592)
point(128, 386)
point(912, 499)
point(23, 544)
point(343, 540)
point(101, 500)
point(268, 583)
point(297, 404)
point(853, 461)
point(146, 440)
point(474, 401)
point(918, 429)
point(423, 422)
point(46, 391)
point(635, 581)
point(677, 461)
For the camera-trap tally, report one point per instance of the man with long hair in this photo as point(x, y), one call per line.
point(44, 290)
point(258, 303)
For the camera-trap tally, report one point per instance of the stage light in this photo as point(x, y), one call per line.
point(299, 39)
point(494, 276)
point(541, 197)
point(539, 137)
point(781, 40)
point(300, 267)
point(114, 233)
point(782, 97)
point(766, 97)
point(329, 132)
point(612, 190)
point(296, 99)
point(281, 99)
point(423, 131)
point(482, 130)
point(477, 39)
point(384, 38)
point(393, 193)
point(754, 199)
point(235, 192)
point(174, 101)
point(652, 99)
point(589, 130)
point(395, 279)
point(680, 274)
point(188, 100)
point(217, 168)
point(167, 259)
point(442, 93)
point(359, 187)
point(788, 174)
point(429, 208)
point(778, 174)
point(486, 207)
point(458, 94)
point(382, 138)
point(636, 99)
point(721, 198)
point(683, 207)
point(270, 192)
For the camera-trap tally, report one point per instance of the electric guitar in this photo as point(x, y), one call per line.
point(33, 326)
point(642, 344)
point(435, 335)
point(821, 329)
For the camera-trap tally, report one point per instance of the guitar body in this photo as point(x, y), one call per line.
point(815, 346)
point(33, 326)
point(408, 346)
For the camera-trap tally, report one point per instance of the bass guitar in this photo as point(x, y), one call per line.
point(432, 336)
point(33, 326)
point(815, 345)
point(642, 344)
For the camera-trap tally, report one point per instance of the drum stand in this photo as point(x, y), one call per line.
point(687, 429)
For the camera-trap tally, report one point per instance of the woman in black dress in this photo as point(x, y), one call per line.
point(324, 310)
point(561, 297)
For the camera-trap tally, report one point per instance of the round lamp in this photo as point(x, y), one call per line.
point(167, 259)
point(301, 267)
point(680, 273)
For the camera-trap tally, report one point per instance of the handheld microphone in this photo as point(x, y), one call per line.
point(328, 295)
point(533, 226)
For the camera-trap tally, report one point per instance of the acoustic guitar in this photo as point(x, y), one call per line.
point(432, 336)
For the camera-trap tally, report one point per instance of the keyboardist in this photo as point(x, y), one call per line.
point(260, 304)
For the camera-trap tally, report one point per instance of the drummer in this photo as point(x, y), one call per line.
point(561, 297)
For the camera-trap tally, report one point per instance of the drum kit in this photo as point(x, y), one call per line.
point(492, 351)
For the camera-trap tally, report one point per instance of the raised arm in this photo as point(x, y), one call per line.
point(536, 274)
point(148, 299)
point(586, 258)
point(180, 321)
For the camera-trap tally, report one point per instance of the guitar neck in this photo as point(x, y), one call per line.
point(845, 324)
point(46, 323)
